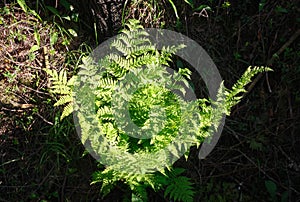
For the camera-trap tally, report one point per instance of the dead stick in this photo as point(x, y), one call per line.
point(270, 61)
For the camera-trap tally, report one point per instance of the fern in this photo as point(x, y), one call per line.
point(60, 85)
point(68, 109)
point(234, 95)
point(108, 178)
point(180, 189)
point(103, 115)
point(64, 87)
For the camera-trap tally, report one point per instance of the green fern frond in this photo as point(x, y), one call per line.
point(139, 193)
point(219, 109)
point(107, 83)
point(105, 113)
point(137, 183)
point(129, 159)
point(129, 46)
point(108, 178)
point(63, 100)
point(68, 109)
point(120, 62)
point(59, 82)
point(232, 97)
point(179, 188)
point(168, 51)
point(133, 25)
point(62, 86)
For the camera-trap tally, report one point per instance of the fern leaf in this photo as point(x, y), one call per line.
point(67, 111)
point(239, 87)
point(139, 193)
point(105, 113)
point(180, 189)
point(71, 81)
point(64, 100)
point(108, 178)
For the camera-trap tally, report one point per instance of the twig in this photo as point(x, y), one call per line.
point(34, 90)
point(268, 84)
point(202, 13)
point(22, 106)
point(50, 123)
point(12, 110)
point(45, 178)
point(63, 188)
point(270, 61)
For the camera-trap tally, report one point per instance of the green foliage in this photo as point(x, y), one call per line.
point(140, 158)
point(179, 187)
point(116, 69)
point(137, 183)
point(66, 15)
point(201, 7)
point(26, 9)
point(174, 8)
point(272, 190)
point(62, 86)
point(234, 95)
point(191, 3)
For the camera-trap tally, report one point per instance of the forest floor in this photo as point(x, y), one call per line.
point(256, 158)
